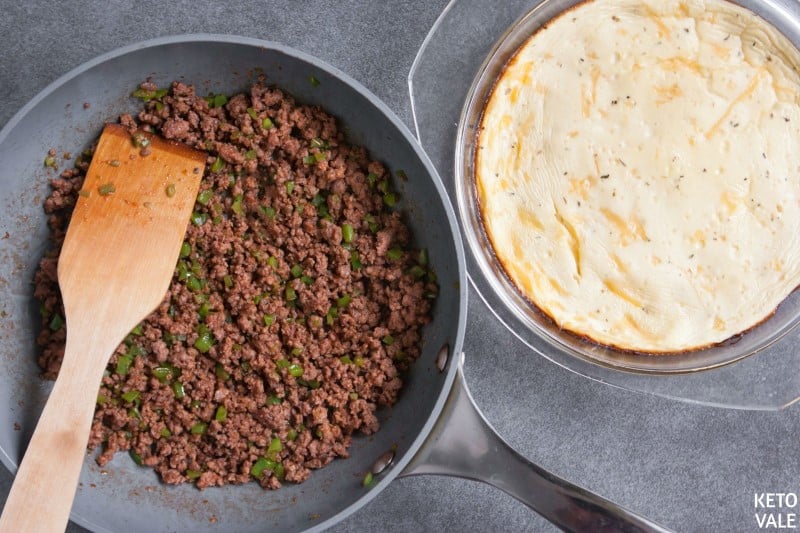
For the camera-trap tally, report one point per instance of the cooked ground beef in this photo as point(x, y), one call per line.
point(294, 308)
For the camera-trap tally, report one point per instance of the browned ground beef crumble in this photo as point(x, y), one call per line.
point(281, 333)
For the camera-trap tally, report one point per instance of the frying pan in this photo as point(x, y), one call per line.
point(434, 428)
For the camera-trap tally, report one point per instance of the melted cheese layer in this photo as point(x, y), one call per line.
point(638, 171)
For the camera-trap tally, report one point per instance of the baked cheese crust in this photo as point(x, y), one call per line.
point(638, 172)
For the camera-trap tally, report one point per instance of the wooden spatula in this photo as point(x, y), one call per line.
point(119, 255)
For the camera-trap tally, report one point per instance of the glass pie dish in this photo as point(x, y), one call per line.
point(450, 81)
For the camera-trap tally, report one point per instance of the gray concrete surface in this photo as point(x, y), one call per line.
point(691, 468)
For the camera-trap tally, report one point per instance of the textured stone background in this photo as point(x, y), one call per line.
point(691, 468)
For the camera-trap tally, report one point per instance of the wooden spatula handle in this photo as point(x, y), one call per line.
point(44, 487)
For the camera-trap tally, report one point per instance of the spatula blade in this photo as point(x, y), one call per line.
point(125, 234)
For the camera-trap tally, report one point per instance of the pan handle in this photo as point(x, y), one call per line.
point(463, 444)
